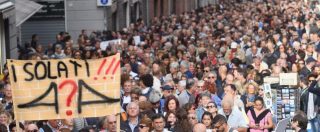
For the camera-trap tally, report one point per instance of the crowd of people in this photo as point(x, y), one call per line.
point(198, 71)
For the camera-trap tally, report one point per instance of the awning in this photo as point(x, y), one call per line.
point(6, 8)
point(25, 9)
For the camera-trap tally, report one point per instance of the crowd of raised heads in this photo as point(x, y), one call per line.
point(202, 70)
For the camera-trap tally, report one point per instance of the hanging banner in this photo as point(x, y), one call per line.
point(65, 88)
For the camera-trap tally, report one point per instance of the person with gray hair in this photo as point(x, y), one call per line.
point(108, 123)
point(174, 72)
point(132, 124)
point(183, 99)
point(184, 68)
point(187, 95)
point(199, 128)
point(235, 118)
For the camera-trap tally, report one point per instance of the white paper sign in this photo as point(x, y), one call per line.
point(137, 40)
point(105, 44)
point(271, 80)
point(288, 78)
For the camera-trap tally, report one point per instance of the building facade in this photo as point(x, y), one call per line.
point(8, 43)
point(74, 15)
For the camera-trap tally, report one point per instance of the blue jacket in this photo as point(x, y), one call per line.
point(199, 112)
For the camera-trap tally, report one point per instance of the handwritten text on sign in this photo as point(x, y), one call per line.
point(56, 89)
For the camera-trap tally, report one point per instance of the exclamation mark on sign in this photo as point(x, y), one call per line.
point(110, 66)
point(100, 68)
point(115, 68)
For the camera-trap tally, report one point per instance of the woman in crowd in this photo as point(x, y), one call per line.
point(5, 119)
point(260, 119)
point(171, 104)
point(190, 108)
point(250, 95)
point(171, 120)
point(145, 124)
point(212, 108)
point(207, 119)
point(183, 124)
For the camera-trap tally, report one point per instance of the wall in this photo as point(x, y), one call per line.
point(46, 30)
point(12, 38)
point(84, 14)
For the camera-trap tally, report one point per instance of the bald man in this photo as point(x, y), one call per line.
point(199, 127)
point(111, 123)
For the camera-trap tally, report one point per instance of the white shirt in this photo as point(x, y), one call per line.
point(126, 99)
point(235, 119)
point(156, 84)
point(145, 91)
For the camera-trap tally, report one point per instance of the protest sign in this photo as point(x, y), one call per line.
point(288, 78)
point(271, 80)
point(105, 44)
point(137, 40)
point(65, 88)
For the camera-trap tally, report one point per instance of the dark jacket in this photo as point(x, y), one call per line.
point(46, 128)
point(126, 127)
point(302, 130)
point(245, 100)
point(305, 72)
point(305, 95)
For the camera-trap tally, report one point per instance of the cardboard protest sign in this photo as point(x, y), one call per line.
point(65, 88)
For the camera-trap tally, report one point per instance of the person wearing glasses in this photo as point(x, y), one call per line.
point(212, 108)
point(154, 99)
point(31, 128)
point(145, 124)
point(310, 100)
point(205, 98)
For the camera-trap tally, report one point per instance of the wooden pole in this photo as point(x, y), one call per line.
point(18, 126)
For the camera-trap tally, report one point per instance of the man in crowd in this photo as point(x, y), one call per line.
point(132, 124)
point(234, 117)
point(158, 123)
point(111, 123)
